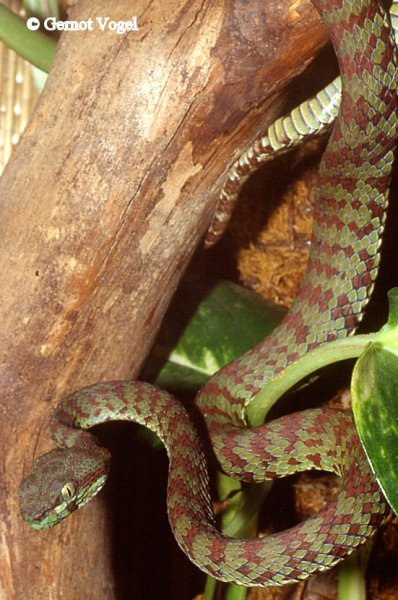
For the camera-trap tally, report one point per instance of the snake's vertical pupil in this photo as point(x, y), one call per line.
point(68, 491)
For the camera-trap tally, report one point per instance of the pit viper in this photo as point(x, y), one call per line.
point(349, 216)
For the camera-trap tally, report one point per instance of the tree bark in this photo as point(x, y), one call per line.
point(102, 205)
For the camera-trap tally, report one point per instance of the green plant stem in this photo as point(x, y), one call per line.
point(34, 46)
point(352, 583)
point(210, 588)
point(240, 520)
point(236, 592)
point(331, 352)
point(241, 517)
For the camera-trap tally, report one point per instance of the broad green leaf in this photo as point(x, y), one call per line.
point(375, 403)
point(227, 323)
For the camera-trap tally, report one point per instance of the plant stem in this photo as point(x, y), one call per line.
point(331, 352)
point(236, 592)
point(352, 584)
point(240, 520)
point(241, 517)
point(210, 588)
point(34, 46)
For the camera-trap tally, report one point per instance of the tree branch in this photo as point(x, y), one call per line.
point(103, 203)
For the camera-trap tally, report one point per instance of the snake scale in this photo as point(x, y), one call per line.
point(349, 216)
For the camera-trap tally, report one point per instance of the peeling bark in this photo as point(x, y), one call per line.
point(102, 205)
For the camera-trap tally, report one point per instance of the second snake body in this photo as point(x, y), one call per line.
point(349, 217)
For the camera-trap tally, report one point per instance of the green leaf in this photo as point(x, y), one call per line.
point(375, 403)
point(227, 323)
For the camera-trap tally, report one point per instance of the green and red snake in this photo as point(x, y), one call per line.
point(350, 207)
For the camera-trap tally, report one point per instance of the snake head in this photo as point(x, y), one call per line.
point(62, 481)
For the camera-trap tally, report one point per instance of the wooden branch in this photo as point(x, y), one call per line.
point(104, 201)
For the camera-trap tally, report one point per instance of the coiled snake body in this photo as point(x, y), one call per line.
point(349, 216)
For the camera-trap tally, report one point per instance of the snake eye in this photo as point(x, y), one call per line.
point(69, 491)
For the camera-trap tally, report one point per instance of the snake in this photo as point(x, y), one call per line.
point(307, 121)
point(349, 216)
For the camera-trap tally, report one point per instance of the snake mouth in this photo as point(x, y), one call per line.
point(45, 520)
